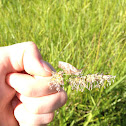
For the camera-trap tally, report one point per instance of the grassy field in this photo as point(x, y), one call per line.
point(85, 33)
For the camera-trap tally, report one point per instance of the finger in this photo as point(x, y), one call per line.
point(24, 117)
point(23, 124)
point(26, 56)
point(45, 104)
point(51, 67)
point(31, 86)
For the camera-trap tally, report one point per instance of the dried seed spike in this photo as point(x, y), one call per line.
point(90, 81)
point(69, 69)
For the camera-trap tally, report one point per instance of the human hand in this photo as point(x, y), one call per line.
point(24, 89)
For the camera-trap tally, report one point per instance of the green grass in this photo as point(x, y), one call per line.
point(85, 33)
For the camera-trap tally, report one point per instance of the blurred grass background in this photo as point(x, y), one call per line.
point(85, 33)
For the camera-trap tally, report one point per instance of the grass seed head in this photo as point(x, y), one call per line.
point(56, 80)
point(90, 81)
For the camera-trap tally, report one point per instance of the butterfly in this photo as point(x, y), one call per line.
point(69, 69)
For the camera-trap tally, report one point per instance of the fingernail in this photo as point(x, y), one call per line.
point(46, 67)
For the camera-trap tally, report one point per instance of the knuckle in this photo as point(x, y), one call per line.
point(63, 98)
point(49, 118)
point(44, 119)
point(30, 44)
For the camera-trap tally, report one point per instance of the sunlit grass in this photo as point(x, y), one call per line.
point(85, 33)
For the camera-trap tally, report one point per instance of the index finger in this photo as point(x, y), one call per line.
point(30, 86)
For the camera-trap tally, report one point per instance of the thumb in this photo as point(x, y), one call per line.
point(26, 57)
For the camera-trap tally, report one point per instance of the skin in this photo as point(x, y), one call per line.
point(25, 97)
